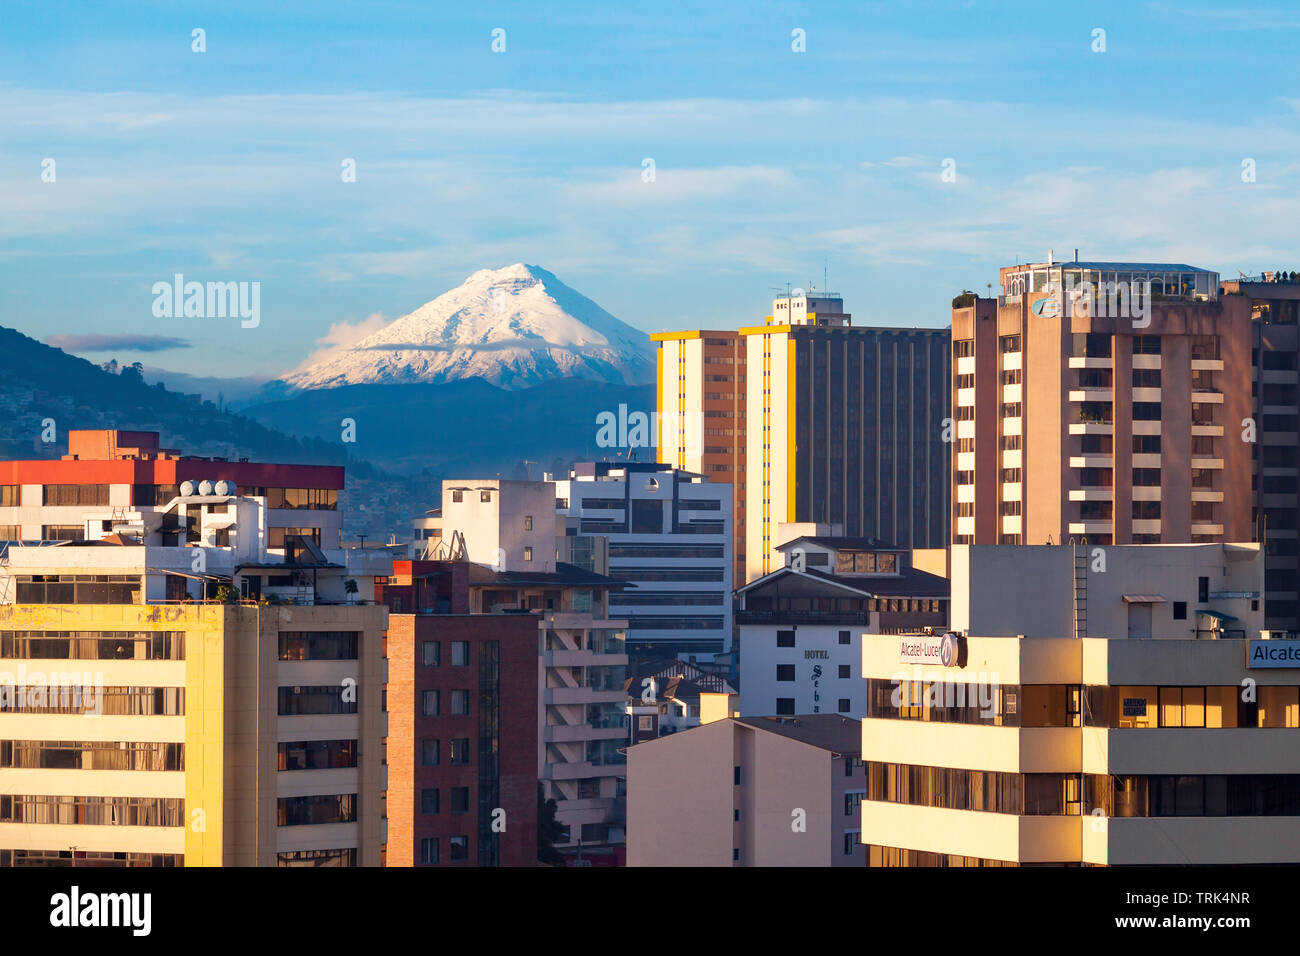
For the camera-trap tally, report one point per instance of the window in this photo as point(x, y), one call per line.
point(735, 854)
point(1146, 345)
point(528, 522)
point(1202, 590)
point(429, 850)
point(485, 496)
point(317, 755)
point(647, 517)
point(735, 816)
point(845, 637)
point(460, 751)
point(460, 653)
point(327, 699)
point(845, 705)
point(459, 848)
point(319, 645)
point(528, 553)
point(844, 670)
point(429, 800)
point(458, 496)
point(785, 638)
point(430, 752)
point(459, 703)
point(317, 810)
point(431, 703)
point(431, 653)
point(785, 672)
point(785, 706)
point(1146, 411)
point(460, 799)
point(71, 495)
point(736, 776)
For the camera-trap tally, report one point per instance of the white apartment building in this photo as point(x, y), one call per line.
point(670, 537)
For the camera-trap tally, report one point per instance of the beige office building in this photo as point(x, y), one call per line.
point(1100, 706)
point(1115, 416)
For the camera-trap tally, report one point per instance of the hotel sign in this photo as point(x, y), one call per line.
point(1261, 654)
point(943, 650)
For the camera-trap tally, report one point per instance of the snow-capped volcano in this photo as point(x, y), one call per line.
point(517, 326)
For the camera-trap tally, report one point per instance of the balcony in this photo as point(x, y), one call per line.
point(1091, 526)
point(1206, 429)
point(1146, 525)
point(1145, 460)
point(1205, 527)
point(1092, 428)
point(1145, 493)
point(1207, 365)
point(1210, 463)
point(1092, 461)
point(1206, 494)
point(1146, 394)
point(1207, 396)
point(1091, 361)
point(1091, 393)
point(1092, 494)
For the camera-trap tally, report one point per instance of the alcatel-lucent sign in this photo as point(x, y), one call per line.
point(1273, 654)
point(944, 649)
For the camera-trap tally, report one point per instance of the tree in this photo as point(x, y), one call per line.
point(548, 831)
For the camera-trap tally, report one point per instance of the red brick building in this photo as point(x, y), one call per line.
point(462, 698)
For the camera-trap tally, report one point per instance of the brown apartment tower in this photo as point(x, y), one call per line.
point(1103, 401)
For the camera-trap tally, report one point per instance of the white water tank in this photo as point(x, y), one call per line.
point(187, 489)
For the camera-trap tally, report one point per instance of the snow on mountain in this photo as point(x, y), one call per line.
point(515, 327)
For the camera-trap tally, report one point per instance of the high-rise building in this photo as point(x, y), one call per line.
point(1103, 400)
point(188, 677)
point(701, 420)
point(669, 535)
point(845, 426)
point(841, 425)
point(1275, 300)
point(1125, 711)
point(462, 741)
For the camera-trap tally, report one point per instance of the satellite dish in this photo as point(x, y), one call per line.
point(187, 489)
point(796, 292)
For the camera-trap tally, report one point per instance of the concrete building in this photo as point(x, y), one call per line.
point(748, 791)
point(802, 626)
point(841, 424)
point(511, 534)
point(670, 538)
point(462, 745)
point(1032, 737)
point(153, 711)
point(1274, 301)
point(701, 420)
point(1115, 417)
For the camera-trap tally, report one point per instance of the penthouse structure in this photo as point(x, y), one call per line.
point(1092, 706)
point(200, 611)
point(1115, 415)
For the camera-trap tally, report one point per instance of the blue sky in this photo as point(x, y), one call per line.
point(225, 165)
